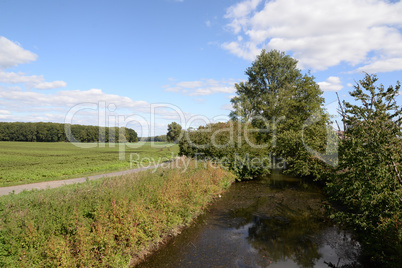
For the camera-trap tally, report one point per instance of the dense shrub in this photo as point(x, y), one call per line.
point(232, 145)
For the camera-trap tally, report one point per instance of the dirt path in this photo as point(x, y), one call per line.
point(54, 184)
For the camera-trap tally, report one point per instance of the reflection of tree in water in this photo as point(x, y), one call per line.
point(291, 228)
point(281, 238)
point(286, 234)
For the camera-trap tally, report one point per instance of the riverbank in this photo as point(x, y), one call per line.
point(111, 222)
point(275, 220)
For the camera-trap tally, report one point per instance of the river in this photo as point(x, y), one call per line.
point(275, 221)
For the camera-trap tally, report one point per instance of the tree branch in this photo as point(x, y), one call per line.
point(342, 112)
point(396, 170)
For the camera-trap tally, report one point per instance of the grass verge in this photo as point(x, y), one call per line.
point(112, 222)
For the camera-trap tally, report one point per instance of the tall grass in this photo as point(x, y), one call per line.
point(107, 223)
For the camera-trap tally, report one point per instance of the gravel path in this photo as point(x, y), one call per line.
point(54, 184)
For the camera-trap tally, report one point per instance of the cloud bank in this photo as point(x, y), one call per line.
point(365, 34)
point(12, 54)
point(202, 87)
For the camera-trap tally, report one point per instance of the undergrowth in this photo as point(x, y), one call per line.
point(107, 223)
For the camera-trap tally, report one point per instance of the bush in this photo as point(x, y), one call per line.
point(232, 145)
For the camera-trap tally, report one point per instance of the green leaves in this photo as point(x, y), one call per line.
point(54, 132)
point(366, 182)
point(279, 99)
point(232, 145)
point(174, 132)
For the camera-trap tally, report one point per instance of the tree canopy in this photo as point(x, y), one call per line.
point(271, 76)
point(278, 100)
point(367, 181)
point(54, 132)
point(174, 132)
point(278, 113)
point(268, 122)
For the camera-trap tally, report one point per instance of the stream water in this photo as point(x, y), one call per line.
point(275, 221)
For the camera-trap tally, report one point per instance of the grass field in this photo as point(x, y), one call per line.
point(110, 222)
point(29, 162)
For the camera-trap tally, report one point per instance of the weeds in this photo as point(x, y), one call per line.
point(107, 223)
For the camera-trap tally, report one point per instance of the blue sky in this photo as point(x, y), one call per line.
point(144, 64)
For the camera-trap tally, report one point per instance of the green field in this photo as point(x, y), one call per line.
point(29, 162)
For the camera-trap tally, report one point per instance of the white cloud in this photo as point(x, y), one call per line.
point(202, 87)
point(29, 100)
point(239, 12)
point(32, 81)
point(386, 65)
point(29, 106)
point(12, 54)
point(321, 34)
point(247, 50)
point(189, 84)
point(16, 78)
point(50, 85)
point(228, 107)
point(23, 102)
point(332, 83)
point(208, 23)
point(242, 9)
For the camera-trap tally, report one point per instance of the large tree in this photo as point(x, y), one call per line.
point(271, 75)
point(367, 181)
point(174, 132)
point(278, 100)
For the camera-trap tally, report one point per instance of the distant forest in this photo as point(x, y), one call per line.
point(161, 138)
point(55, 132)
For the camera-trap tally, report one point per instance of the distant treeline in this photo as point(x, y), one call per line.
point(54, 132)
point(161, 138)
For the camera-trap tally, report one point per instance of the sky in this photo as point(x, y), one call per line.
point(144, 64)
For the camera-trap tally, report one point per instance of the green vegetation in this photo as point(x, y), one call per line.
point(367, 182)
point(278, 100)
point(278, 113)
point(278, 122)
point(160, 138)
point(105, 223)
point(53, 132)
point(174, 132)
point(230, 144)
point(29, 162)
point(268, 123)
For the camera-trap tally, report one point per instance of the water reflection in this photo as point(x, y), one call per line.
point(276, 221)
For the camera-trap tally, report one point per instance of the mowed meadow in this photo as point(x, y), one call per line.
point(30, 162)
